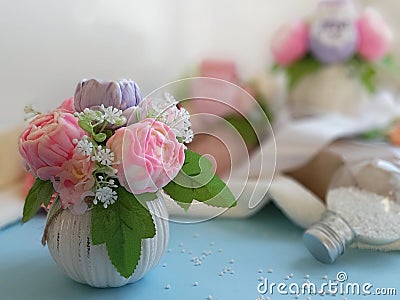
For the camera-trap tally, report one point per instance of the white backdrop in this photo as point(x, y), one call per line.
point(48, 46)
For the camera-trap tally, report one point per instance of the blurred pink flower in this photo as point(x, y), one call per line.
point(74, 183)
point(290, 43)
point(47, 142)
point(375, 37)
point(149, 155)
point(67, 105)
point(217, 97)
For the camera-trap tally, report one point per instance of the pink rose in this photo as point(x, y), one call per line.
point(216, 97)
point(290, 43)
point(375, 37)
point(150, 156)
point(47, 142)
point(67, 105)
point(74, 183)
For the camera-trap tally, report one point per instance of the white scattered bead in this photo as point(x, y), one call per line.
point(221, 274)
point(195, 283)
point(270, 271)
point(209, 297)
point(297, 297)
point(183, 251)
point(190, 252)
point(196, 235)
point(307, 276)
point(291, 275)
point(169, 250)
point(260, 271)
point(268, 298)
point(232, 261)
point(308, 298)
point(325, 277)
point(180, 244)
point(261, 278)
point(168, 286)
point(287, 277)
point(232, 272)
point(220, 250)
point(164, 264)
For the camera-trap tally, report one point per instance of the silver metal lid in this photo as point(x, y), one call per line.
point(323, 243)
point(327, 239)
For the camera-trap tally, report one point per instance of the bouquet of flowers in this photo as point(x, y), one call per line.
point(108, 151)
point(335, 35)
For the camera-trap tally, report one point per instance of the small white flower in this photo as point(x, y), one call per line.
point(113, 115)
point(104, 156)
point(84, 146)
point(166, 111)
point(105, 195)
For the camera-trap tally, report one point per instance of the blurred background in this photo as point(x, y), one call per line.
point(48, 46)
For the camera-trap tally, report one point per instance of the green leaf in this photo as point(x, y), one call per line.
point(301, 68)
point(100, 137)
point(245, 129)
point(105, 223)
point(140, 218)
point(124, 250)
point(196, 180)
point(374, 134)
point(215, 193)
point(122, 226)
point(40, 193)
point(86, 125)
point(365, 71)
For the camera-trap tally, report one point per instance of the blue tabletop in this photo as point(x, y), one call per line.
point(241, 257)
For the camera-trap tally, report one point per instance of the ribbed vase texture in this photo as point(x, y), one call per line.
point(69, 242)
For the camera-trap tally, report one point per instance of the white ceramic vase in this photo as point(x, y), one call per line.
point(331, 89)
point(69, 242)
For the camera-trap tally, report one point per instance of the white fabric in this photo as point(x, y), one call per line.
point(296, 143)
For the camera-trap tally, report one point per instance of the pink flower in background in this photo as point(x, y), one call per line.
point(216, 97)
point(47, 142)
point(221, 69)
point(67, 105)
point(375, 37)
point(290, 43)
point(74, 183)
point(149, 155)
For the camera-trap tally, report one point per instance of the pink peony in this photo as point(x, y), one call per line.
point(149, 155)
point(47, 142)
point(74, 183)
point(290, 43)
point(375, 37)
point(67, 105)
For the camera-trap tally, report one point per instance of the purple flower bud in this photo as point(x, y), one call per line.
point(333, 34)
point(119, 94)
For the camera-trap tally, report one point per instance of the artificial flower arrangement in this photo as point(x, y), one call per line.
point(335, 35)
point(107, 151)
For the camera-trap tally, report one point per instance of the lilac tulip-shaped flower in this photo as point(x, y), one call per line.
point(333, 34)
point(92, 93)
